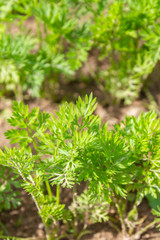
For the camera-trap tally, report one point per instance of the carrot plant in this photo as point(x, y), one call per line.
point(9, 198)
point(127, 34)
point(62, 43)
point(119, 166)
point(50, 152)
point(20, 70)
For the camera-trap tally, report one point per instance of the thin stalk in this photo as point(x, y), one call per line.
point(124, 230)
point(113, 223)
point(25, 180)
point(4, 228)
point(75, 211)
point(39, 31)
point(48, 235)
point(19, 93)
point(141, 222)
point(48, 190)
point(30, 132)
point(114, 226)
point(58, 195)
point(35, 147)
point(131, 228)
point(144, 229)
point(47, 230)
point(57, 226)
point(125, 205)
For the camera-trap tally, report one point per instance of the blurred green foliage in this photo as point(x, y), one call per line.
point(8, 197)
point(58, 44)
point(128, 35)
point(125, 32)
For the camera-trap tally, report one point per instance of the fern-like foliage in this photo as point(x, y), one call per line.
point(55, 155)
point(8, 197)
point(118, 165)
point(20, 69)
point(61, 45)
point(89, 211)
point(127, 34)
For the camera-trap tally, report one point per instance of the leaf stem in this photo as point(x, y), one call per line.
point(58, 195)
point(124, 231)
point(48, 190)
point(75, 210)
point(144, 229)
point(48, 235)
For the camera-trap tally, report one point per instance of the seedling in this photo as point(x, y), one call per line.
point(49, 152)
point(118, 165)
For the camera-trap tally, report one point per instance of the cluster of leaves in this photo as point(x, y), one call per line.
point(118, 165)
point(8, 197)
point(20, 69)
point(59, 43)
point(125, 32)
point(89, 211)
point(128, 35)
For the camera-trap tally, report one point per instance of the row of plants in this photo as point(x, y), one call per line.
point(125, 33)
point(117, 168)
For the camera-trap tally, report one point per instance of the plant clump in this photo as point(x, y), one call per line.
point(118, 166)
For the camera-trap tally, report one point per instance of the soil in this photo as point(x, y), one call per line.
point(24, 221)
